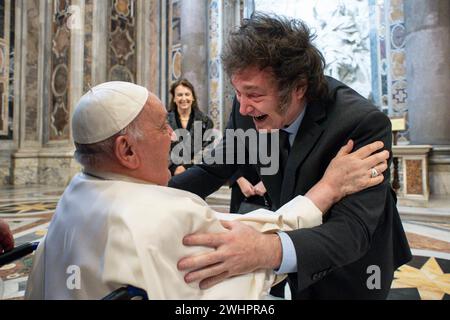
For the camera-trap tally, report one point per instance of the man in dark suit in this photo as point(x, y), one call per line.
point(279, 81)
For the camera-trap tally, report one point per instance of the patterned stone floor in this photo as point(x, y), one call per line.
point(28, 211)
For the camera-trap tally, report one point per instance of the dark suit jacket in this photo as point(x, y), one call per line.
point(360, 233)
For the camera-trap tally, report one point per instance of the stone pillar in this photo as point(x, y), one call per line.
point(100, 44)
point(215, 70)
point(158, 30)
point(428, 70)
point(193, 43)
point(8, 143)
point(28, 82)
point(51, 65)
point(233, 13)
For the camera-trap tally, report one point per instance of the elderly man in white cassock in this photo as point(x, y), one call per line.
point(118, 223)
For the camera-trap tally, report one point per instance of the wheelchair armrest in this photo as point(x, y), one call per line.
point(18, 252)
point(127, 293)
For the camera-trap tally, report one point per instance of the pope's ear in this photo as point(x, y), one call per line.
point(125, 152)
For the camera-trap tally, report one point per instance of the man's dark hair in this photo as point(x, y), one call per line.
point(185, 83)
point(284, 46)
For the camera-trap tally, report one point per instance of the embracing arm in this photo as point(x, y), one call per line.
point(199, 180)
point(204, 179)
point(346, 235)
point(244, 249)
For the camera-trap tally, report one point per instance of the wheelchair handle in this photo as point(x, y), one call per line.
point(18, 252)
point(127, 293)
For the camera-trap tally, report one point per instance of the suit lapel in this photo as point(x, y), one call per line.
point(306, 138)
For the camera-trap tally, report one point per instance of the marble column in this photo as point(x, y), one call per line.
point(44, 157)
point(100, 42)
point(232, 15)
point(157, 28)
point(28, 84)
point(31, 43)
point(428, 70)
point(8, 143)
point(193, 43)
point(215, 70)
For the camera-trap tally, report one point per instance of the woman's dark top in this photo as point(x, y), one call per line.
point(196, 116)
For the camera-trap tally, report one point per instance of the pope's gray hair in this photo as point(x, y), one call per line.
point(93, 155)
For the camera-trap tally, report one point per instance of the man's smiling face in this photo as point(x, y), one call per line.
point(257, 93)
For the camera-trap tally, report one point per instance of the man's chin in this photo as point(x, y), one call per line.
point(264, 127)
point(259, 126)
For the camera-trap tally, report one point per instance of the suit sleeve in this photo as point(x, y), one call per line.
point(346, 235)
point(207, 125)
point(204, 179)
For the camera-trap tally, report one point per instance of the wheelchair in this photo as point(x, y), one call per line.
point(123, 293)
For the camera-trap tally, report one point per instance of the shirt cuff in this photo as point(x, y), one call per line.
point(289, 258)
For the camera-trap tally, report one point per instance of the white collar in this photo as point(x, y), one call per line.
point(113, 176)
point(292, 129)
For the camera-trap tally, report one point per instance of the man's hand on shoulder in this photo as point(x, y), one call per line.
point(240, 250)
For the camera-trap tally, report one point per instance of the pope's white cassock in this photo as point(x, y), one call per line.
point(119, 231)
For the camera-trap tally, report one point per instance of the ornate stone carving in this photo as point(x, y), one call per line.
point(122, 63)
point(61, 42)
point(122, 7)
point(176, 52)
point(122, 44)
point(2, 59)
point(60, 74)
point(414, 177)
point(120, 73)
point(88, 30)
point(215, 20)
point(59, 117)
point(60, 80)
point(176, 64)
point(31, 72)
point(5, 14)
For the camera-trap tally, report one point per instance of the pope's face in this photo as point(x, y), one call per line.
point(154, 146)
point(257, 93)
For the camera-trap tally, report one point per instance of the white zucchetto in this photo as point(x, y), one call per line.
point(106, 109)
